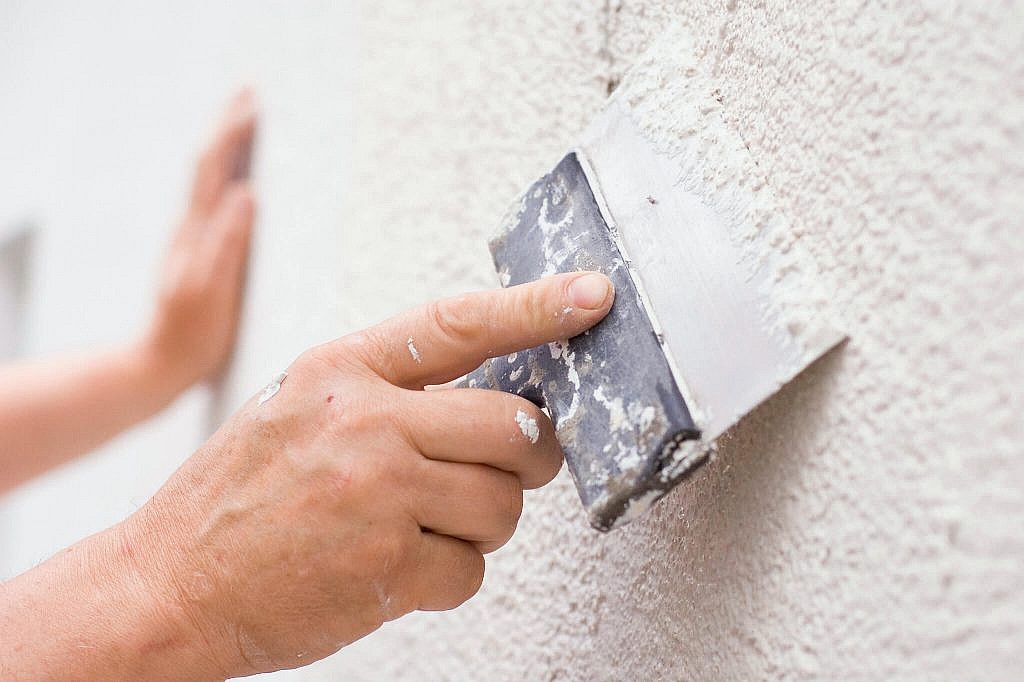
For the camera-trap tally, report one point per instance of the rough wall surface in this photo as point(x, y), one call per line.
point(864, 524)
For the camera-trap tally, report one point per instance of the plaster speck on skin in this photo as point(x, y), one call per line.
point(412, 350)
point(271, 389)
point(383, 600)
point(528, 425)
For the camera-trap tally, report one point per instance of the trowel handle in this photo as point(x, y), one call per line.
point(508, 373)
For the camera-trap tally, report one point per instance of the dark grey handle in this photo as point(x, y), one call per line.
point(511, 374)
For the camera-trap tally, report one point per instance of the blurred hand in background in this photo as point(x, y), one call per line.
point(196, 318)
point(54, 410)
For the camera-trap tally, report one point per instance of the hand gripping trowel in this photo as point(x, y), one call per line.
point(710, 314)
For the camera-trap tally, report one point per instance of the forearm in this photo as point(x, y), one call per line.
point(52, 411)
point(87, 614)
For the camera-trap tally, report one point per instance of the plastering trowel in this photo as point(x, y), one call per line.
point(714, 308)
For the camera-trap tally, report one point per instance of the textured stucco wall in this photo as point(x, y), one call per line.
point(864, 524)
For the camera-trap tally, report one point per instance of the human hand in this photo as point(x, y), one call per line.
point(352, 496)
point(193, 329)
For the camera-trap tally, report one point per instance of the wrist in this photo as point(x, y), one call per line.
point(167, 639)
point(161, 376)
point(179, 587)
point(87, 613)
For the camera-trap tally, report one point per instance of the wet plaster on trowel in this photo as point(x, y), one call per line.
point(558, 247)
point(715, 162)
point(715, 235)
point(560, 351)
point(626, 427)
point(767, 316)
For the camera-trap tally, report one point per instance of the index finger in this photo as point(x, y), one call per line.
point(445, 339)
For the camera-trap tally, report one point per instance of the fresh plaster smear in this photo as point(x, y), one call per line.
point(736, 302)
point(413, 351)
point(271, 389)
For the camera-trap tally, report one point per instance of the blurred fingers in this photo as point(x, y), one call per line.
point(232, 224)
point(226, 157)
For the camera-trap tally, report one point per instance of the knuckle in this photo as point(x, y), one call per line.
point(536, 300)
point(366, 348)
point(453, 318)
point(383, 471)
point(373, 416)
point(310, 361)
point(316, 355)
point(334, 356)
point(528, 306)
point(389, 552)
point(186, 293)
point(364, 410)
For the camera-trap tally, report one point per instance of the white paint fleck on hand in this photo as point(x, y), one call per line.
point(528, 425)
point(412, 350)
point(271, 389)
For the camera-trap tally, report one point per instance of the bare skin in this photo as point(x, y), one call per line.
point(350, 498)
point(48, 409)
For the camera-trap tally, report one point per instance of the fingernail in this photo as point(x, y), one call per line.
point(589, 291)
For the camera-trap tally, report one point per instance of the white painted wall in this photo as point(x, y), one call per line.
point(864, 524)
